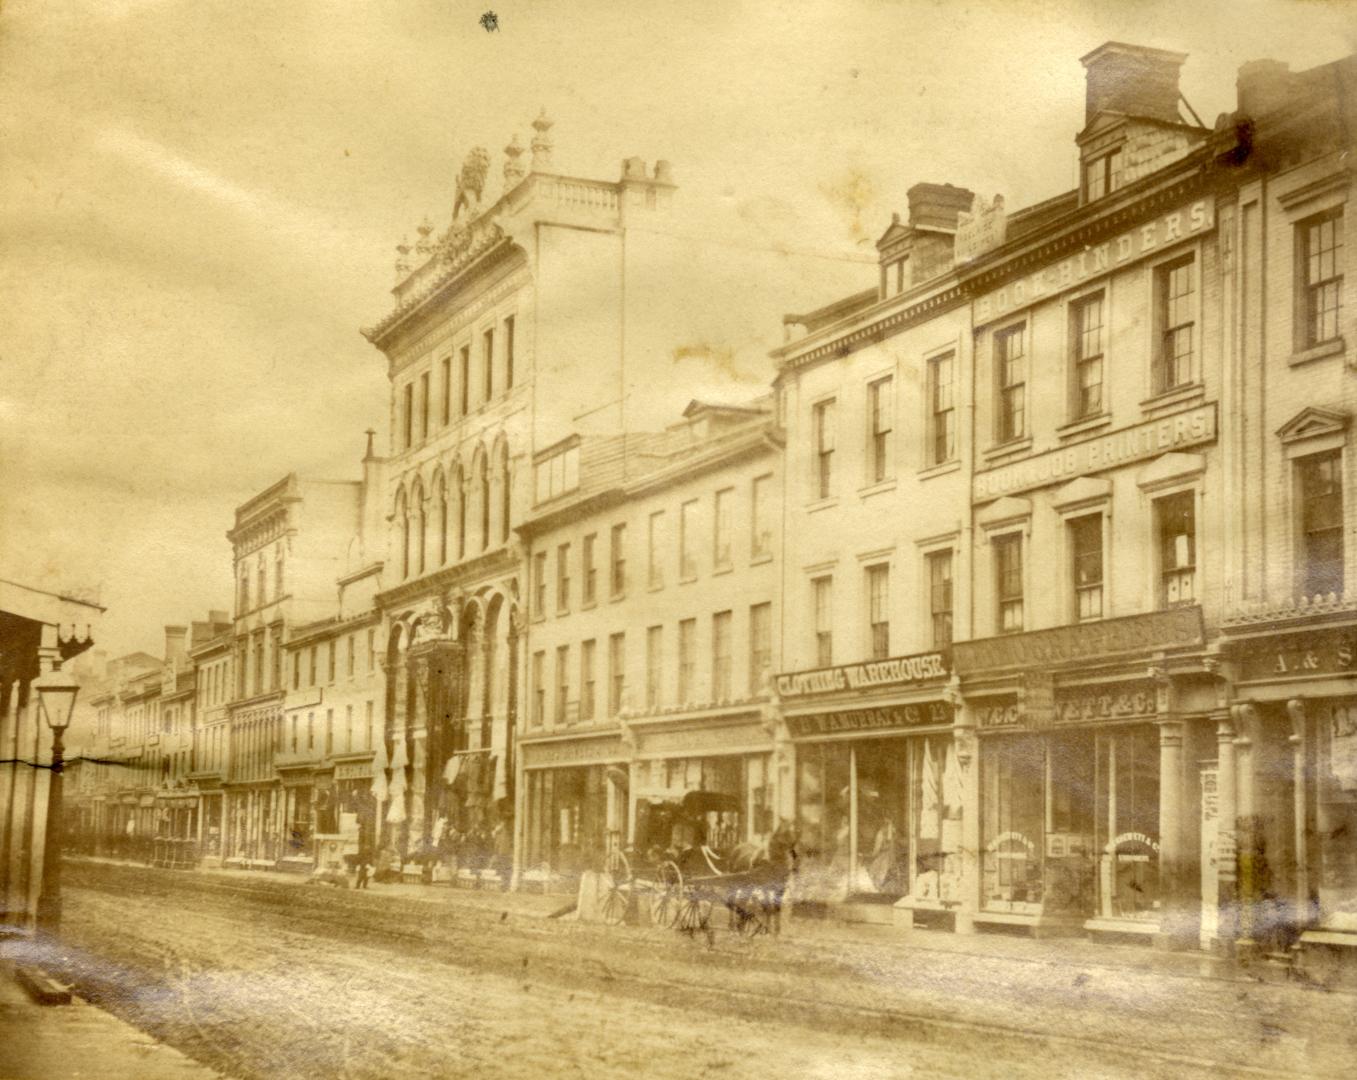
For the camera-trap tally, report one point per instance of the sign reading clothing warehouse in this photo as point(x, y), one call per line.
point(1148, 239)
point(900, 670)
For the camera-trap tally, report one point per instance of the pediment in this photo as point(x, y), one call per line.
point(1313, 422)
point(1082, 490)
point(1170, 468)
point(1004, 510)
point(895, 232)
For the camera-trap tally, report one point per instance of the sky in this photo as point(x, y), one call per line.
point(199, 204)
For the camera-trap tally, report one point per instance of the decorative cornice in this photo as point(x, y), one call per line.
point(501, 560)
point(1291, 613)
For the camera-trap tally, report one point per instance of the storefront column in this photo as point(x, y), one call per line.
point(968, 758)
point(1174, 918)
point(1246, 831)
point(1295, 709)
point(419, 727)
point(1227, 927)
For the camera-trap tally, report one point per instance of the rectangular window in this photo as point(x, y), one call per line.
point(539, 583)
point(590, 569)
point(721, 529)
point(1102, 176)
point(1320, 274)
point(688, 540)
point(311, 666)
point(1321, 492)
point(940, 597)
point(259, 663)
point(296, 671)
point(562, 683)
point(1010, 365)
point(424, 406)
point(1086, 553)
point(654, 672)
point(464, 378)
point(1176, 317)
point(353, 648)
point(760, 646)
point(509, 353)
point(617, 561)
point(720, 656)
point(1008, 582)
point(330, 665)
point(539, 690)
point(329, 731)
point(1086, 334)
point(372, 651)
point(822, 590)
point(761, 517)
point(488, 361)
point(617, 672)
point(687, 671)
point(587, 679)
point(941, 410)
point(879, 410)
point(408, 415)
point(823, 428)
point(1176, 525)
point(878, 612)
point(562, 578)
point(654, 568)
point(447, 390)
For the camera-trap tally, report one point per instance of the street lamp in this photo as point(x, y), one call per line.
point(56, 700)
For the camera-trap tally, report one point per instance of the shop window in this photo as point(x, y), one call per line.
point(539, 583)
point(879, 430)
point(1013, 775)
point(1175, 521)
point(1086, 336)
point(539, 689)
point(1086, 556)
point(560, 715)
point(1333, 809)
point(721, 656)
point(590, 569)
point(688, 540)
point(617, 672)
point(1008, 582)
point(617, 561)
point(822, 424)
point(878, 612)
point(654, 566)
point(941, 410)
point(822, 589)
point(654, 660)
point(1128, 823)
point(940, 598)
point(587, 650)
point(760, 646)
point(687, 672)
point(1010, 368)
point(1320, 479)
point(562, 579)
point(761, 524)
point(1175, 314)
point(721, 529)
point(1319, 278)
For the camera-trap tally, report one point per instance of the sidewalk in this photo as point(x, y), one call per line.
point(77, 1041)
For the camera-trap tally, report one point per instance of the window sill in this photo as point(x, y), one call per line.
point(759, 560)
point(1009, 449)
point(617, 598)
point(1179, 395)
point(655, 588)
point(1083, 425)
point(589, 605)
point(1317, 352)
point(878, 488)
point(687, 579)
point(940, 469)
point(822, 504)
point(720, 570)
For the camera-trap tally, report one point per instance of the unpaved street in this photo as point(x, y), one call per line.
point(264, 979)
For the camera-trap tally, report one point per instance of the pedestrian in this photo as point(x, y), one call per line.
point(363, 871)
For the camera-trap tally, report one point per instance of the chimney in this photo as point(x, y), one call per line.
point(1263, 86)
point(175, 651)
point(936, 206)
point(215, 616)
point(1134, 80)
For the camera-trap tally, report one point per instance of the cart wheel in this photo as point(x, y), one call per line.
point(617, 900)
point(694, 914)
point(666, 894)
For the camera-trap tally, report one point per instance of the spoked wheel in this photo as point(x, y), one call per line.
point(666, 894)
point(617, 883)
point(751, 914)
point(694, 914)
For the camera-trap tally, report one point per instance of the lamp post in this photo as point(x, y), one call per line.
point(56, 699)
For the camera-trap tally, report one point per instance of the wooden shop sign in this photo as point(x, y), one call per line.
point(922, 668)
point(1288, 656)
point(874, 718)
point(1172, 629)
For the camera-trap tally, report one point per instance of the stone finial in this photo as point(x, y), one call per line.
point(634, 168)
point(403, 256)
point(369, 453)
point(664, 172)
point(513, 168)
point(541, 143)
point(424, 245)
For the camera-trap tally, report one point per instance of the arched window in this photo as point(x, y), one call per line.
point(423, 528)
point(504, 494)
point(442, 521)
point(403, 524)
point(459, 493)
point(483, 494)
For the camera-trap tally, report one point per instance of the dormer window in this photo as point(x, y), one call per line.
point(557, 473)
point(1102, 175)
point(897, 276)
